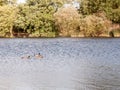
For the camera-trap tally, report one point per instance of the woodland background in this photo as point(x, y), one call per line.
point(66, 18)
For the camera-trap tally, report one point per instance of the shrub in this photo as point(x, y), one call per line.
point(67, 20)
point(93, 25)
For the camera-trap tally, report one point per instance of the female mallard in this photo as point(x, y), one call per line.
point(25, 57)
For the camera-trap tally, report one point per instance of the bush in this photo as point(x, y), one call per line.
point(93, 25)
point(67, 20)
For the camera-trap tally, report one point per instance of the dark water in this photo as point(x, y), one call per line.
point(68, 64)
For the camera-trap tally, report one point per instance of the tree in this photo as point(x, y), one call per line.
point(110, 7)
point(36, 17)
point(67, 20)
point(94, 26)
point(7, 18)
point(3, 2)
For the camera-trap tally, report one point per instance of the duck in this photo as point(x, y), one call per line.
point(26, 57)
point(38, 56)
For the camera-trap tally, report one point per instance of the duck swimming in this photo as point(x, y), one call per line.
point(26, 57)
point(38, 55)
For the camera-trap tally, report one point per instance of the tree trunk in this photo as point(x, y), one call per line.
point(11, 31)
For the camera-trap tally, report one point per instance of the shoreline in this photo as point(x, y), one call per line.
point(57, 37)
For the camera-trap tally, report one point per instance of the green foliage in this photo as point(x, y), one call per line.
point(3, 2)
point(7, 18)
point(46, 18)
point(36, 18)
point(115, 15)
point(110, 7)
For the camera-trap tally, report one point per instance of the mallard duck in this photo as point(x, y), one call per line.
point(38, 55)
point(26, 57)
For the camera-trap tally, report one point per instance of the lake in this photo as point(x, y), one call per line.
point(67, 64)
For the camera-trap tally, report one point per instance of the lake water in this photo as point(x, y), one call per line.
point(67, 64)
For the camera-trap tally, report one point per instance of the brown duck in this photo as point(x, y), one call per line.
point(26, 57)
point(38, 56)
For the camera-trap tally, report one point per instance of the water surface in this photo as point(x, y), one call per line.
point(68, 64)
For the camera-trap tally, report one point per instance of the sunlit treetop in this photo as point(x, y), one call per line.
point(21, 1)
